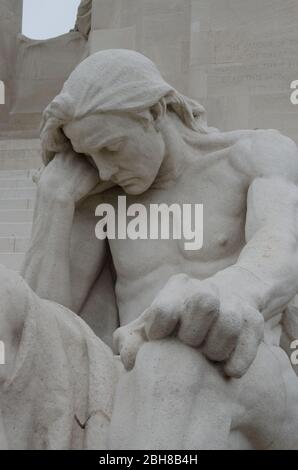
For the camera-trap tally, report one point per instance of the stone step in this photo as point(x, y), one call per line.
point(16, 215)
point(19, 193)
point(7, 174)
point(12, 260)
point(20, 154)
point(19, 159)
point(16, 204)
point(20, 144)
point(17, 183)
point(14, 245)
point(17, 230)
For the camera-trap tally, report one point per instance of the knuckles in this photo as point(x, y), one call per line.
point(195, 315)
point(230, 324)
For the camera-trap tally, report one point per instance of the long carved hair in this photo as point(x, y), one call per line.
point(115, 80)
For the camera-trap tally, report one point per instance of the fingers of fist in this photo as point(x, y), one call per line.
point(224, 333)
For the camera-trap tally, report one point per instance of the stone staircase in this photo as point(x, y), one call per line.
point(18, 161)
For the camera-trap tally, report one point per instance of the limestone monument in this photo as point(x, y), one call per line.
point(197, 360)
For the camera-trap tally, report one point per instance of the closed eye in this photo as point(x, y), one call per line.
point(114, 146)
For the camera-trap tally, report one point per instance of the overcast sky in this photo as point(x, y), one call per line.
point(43, 19)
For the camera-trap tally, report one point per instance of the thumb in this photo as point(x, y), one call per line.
point(128, 339)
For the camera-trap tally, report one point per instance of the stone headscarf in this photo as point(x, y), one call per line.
point(112, 80)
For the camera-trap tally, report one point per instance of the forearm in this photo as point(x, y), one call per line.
point(266, 272)
point(47, 268)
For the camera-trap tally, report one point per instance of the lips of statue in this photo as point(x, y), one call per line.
point(124, 150)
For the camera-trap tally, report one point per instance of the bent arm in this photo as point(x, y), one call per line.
point(266, 272)
point(46, 267)
point(224, 314)
point(61, 256)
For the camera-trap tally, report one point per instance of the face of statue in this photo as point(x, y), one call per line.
point(124, 150)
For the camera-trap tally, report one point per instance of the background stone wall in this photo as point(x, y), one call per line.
point(159, 29)
point(237, 57)
point(10, 27)
point(34, 70)
point(244, 55)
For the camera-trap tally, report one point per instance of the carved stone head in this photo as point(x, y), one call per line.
point(109, 110)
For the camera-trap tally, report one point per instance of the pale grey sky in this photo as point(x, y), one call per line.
point(43, 19)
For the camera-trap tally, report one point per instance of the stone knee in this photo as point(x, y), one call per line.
point(264, 397)
point(173, 367)
point(168, 381)
point(14, 301)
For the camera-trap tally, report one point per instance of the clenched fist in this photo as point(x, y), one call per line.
point(225, 331)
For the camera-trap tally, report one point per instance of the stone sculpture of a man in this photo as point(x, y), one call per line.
point(200, 330)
